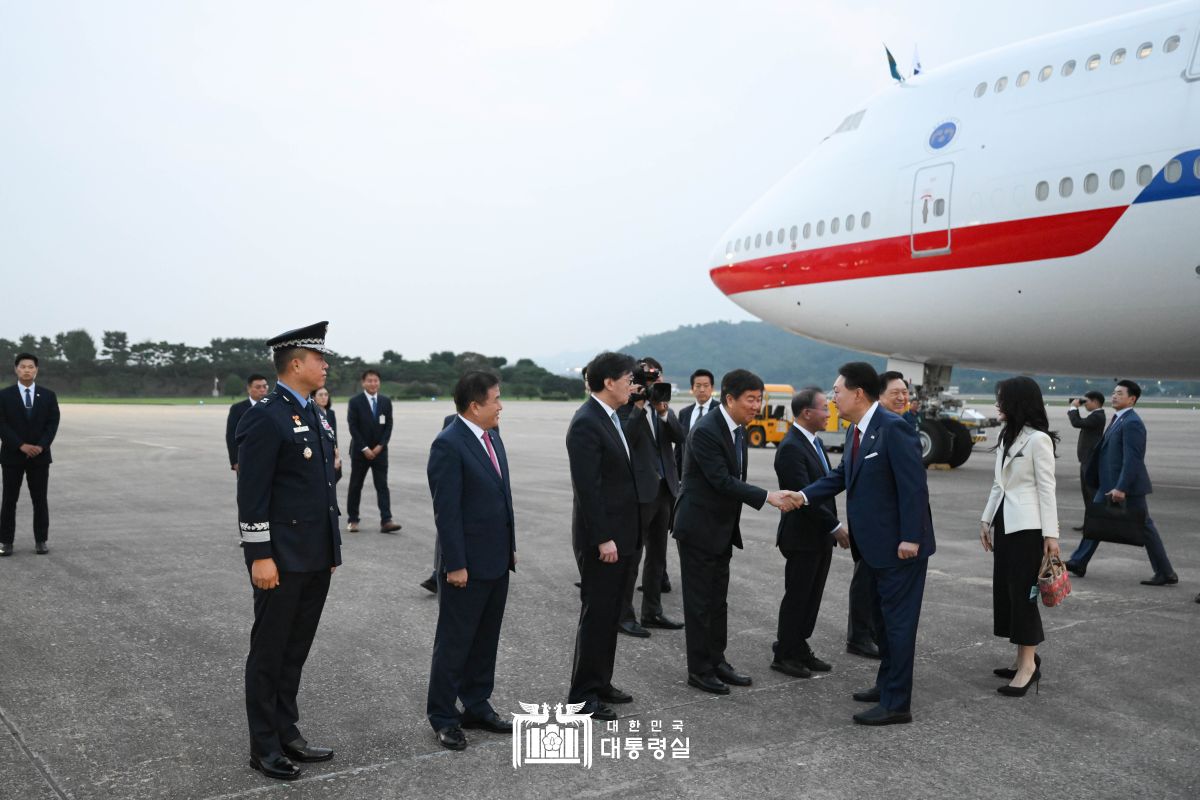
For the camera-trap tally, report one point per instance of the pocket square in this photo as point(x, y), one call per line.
point(871, 456)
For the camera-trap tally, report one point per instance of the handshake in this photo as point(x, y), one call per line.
point(785, 500)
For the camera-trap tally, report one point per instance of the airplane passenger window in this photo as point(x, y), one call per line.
point(779, 236)
point(1068, 68)
point(1001, 83)
point(1196, 167)
point(1171, 45)
point(1042, 191)
point(1093, 63)
point(747, 245)
point(757, 241)
point(1046, 72)
point(770, 236)
point(807, 230)
point(795, 230)
point(737, 245)
point(1091, 182)
point(1145, 174)
point(834, 224)
point(981, 89)
point(866, 215)
point(939, 207)
point(1117, 179)
point(1023, 78)
point(820, 227)
point(1174, 171)
point(1065, 187)
point(1118, 56)
point(1146, 49)
point(850, 222)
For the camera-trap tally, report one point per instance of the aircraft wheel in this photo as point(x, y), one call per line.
point(758, 437)
point(936, 442)
point(961, 446)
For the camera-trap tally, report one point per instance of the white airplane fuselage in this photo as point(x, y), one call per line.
point(1052, 226)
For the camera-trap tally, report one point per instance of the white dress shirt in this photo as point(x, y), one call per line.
point(812, 439)
point(32, 393)
point(478, 433)
point(608, 412)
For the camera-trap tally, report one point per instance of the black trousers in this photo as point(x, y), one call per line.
point(359, 467)
point(655, 517)
point(599, 613)
point(864, 624)
point(1089, 490)
point(38, 478)
point(285, 622)
point(1017, 557)
point(705, 580)
point(803, 585)
point(464, 649)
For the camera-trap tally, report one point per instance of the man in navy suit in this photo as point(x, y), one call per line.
point(708, 526)
point(28, 425)
point(1118, 467)
point(887, 508)
point(805, 537)
point(605, 531)
point(476, 549)
point(256, 389)
point(370, 419)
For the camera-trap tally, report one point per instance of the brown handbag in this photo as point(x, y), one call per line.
point(1054, 584)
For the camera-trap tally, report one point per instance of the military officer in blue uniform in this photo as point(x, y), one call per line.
point(288, 515)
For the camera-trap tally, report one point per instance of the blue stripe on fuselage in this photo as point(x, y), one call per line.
point(1188, 184)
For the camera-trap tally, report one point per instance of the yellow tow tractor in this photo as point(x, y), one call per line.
point(773, 421)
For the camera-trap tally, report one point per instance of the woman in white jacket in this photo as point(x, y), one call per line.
point(1020, 523)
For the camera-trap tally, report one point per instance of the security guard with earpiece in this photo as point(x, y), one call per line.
point(288, 515)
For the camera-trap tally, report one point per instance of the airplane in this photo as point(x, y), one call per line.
point(1035, 208)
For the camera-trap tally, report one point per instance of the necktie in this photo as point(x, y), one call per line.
point(28, 402)
point(374, 408)
point(700, 411)
point(487, 442)
point(737, 448)
point(821, 452)
point(621, 433)
point(1111, 425)
point(659, 466)
point(854, 448)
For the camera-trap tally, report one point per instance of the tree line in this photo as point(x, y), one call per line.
point(74, 365)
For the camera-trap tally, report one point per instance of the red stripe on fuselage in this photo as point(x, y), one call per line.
point(1013, 242)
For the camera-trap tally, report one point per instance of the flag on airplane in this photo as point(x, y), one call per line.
point(892, 64)
point(916, 62)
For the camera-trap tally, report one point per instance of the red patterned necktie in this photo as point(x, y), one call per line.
point(487, 441)
point(854, 449)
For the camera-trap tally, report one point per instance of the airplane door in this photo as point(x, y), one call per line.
point(931, 210)
point(1193, 70)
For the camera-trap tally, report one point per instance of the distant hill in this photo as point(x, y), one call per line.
point(781, 357)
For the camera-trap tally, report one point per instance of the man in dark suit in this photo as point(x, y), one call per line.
point(256, 389)
point(287, 513)
point(702, 382)
point(1118, 467)
point(370, 419)
point(28, 424)
point(887, 507)
point(651, 433)
point(707, 526)
point(605, 529)
point(476, 549)
point(805, 536)
point(1091, 429)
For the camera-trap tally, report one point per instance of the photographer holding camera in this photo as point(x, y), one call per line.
point(652, 430)
point(1090, 422)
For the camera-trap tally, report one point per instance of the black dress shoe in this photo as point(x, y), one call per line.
point(1076, 569)
point(1077, 528)
point(599, 711)
point(867, 695)
point(789, 667)
point(881, 716)
point(633, 629)
point(612, 694)
point(5, 550)
point(708, 683)
point(1010, 673)
point(275, 765)
point(300, 750)
point(810, 660)
point(489, 722)
point(430, 584)
point(661, 622)
point(864, 649)
point(41, 548)
point(729, 675)
point(1157, 580)
point(452, 737)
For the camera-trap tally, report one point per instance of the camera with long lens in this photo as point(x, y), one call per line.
point(645, 381)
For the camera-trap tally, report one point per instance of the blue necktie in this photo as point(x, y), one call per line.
point(28, 403)
point(737, 448)
point(821, 452)
point(616, 421)
point(374, 409)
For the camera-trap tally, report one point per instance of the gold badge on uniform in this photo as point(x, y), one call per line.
point(307, 452)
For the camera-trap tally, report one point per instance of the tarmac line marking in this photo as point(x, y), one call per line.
point(1179, 486)
point(37, 762)
point(154, 444)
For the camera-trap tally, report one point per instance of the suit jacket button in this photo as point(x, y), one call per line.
point(331, 508)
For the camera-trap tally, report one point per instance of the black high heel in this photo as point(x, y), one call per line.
point(1019, 691)
point(1007, 672)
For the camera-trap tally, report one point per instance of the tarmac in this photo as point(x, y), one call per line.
point(122, 651)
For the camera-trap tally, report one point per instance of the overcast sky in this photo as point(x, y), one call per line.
point(515, 178)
